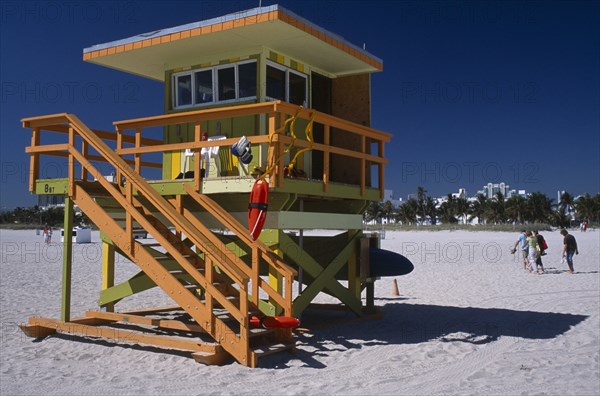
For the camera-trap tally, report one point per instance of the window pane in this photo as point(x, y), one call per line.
point(247, 79)
point(297, 89)
point(226, 78)
point(204, 86)
point(184, 90)
point(275, 83)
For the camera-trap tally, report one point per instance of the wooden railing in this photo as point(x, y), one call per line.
point(276, 113)
point(136, 210)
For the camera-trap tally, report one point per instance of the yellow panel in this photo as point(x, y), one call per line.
point(175, 164)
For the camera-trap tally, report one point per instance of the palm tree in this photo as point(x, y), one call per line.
point(566, 203)
point(431, 210)
point(387, 210)
point(373, 211)
point(539, 208)
point(407, 212)
point(421, 194)
point(462, 209)
point(516, 206)
point(448, 210)
point(588, 207)
point(495, 209)
point(478, 208)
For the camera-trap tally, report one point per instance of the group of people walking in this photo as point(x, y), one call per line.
point(533, 246)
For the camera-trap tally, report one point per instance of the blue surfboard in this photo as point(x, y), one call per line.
point(387, 263)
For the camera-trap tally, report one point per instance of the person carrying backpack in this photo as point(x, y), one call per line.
point(542, 245)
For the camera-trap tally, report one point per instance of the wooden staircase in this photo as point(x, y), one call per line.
point(216, 291)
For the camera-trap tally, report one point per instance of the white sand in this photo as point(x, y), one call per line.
point(469, 320)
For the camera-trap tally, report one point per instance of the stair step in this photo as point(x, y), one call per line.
point(159, 258)
point(259, 332)
point(266, 350)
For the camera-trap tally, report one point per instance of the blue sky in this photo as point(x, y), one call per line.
point(473, 92)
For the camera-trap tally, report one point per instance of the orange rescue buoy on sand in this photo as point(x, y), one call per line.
point(257, 209)
point(274, 322)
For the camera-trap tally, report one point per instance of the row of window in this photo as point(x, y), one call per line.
point(235, 82)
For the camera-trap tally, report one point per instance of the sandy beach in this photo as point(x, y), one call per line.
point(469, 320)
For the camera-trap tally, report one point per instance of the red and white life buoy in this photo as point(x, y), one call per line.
point(257, 208)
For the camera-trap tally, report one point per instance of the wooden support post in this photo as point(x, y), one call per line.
point(370, 297)
point(108, 270)
point(34, 160)
point(353, 271)
point(67, 260)
point(326, 158)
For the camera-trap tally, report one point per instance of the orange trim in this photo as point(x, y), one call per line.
point(236, 23)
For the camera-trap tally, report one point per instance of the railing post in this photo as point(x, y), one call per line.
point(255, 274)
point(129, 217)
point(326, 157)
point(281, 160)
point(71, 164)
point(118, 151)
point(179, 209)
point(197, 139)
point(381, 169)
point(138, 156)
point(84, 151)
point(209, 271)
point(273, 149)
point(363, 164)
point(34, 159)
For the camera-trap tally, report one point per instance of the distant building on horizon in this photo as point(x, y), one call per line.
point(50, 201)
point(388, 195)
point(491, 189)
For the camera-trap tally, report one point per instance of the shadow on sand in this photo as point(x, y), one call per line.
point(326, 331)
point(413, 324)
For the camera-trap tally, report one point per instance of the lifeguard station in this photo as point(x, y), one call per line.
point(301, 96)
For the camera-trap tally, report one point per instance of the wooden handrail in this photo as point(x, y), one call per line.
point(105, 135)
point(240, 231)
point(193, 116)
point(140, 184)
point(258, 248)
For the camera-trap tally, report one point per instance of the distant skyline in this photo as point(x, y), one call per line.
point(473, 92)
